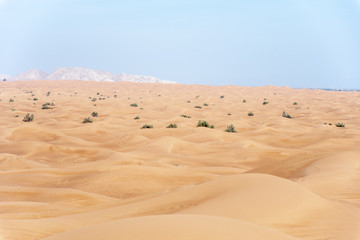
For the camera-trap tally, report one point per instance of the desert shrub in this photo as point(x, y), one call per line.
point(47, 105)
point(230, 128)
point(28, 117)
point(188, 101)
point(94, 114)
point(244, 101)
point(250, 114)
point(295, 103)
point(330, 124)
point(264, 103)
point(172, 125)
point(93, 99)
point(340, 125)
point(204, 124)
point(185, 116)
point(205, 104)
point(229, 114)
point(137, 117)
point(197, 107)
point(11, 100)
point(221, 96)
point(13, 109)
point(133, 105)
point(16, 115)
point(97, 93)
point(48, 93)
point(286, 115)
point(35, 99)
point(87, 120)
point(147, 126)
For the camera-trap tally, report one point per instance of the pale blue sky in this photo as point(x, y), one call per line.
point(296, 43)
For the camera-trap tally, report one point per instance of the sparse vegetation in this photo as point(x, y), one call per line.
point(28, 117)
point(229, 114)
point(136, 118)
point(11, 100)
point(94, 114)
point(172, 125)
point(264, 103)
point(47, 105)
point(286, 115)
point(204, 124)
point(230, 128)
point(244, 101)
point(295, 103)
point(133, 105)
point(35, 99)
point(87, 120)
point(185, 116)
point(221, 96)
point(340, 125)
point(250, 114)
point(205, 104)
point(147, 126)
point(198, 107)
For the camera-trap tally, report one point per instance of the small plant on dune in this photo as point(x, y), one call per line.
point(172, 125)
point(244, 101)
point(87, 120)
point(94, 114)
point(250, 114)
point(264, 103)
point(147, 126)
point(47, 105)
point(28, 117)
point(93, 99)
point(133, 105)
point(229, 114)
point(340, 125)
point(185, 116)
point(295, 103)
point(205, 104)
point(11, 100)
point(221, 96)
point(188, 101)
point(286, 115)
point(35, 99)
point(204, 124)
point(48, 93)
point(230, 128)
point(16, 116)
point(13, 109)
point(136, 118)
point(197, 107)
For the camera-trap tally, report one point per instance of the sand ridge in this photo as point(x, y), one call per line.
point(276, 178)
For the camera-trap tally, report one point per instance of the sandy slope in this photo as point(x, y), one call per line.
point(276, 178)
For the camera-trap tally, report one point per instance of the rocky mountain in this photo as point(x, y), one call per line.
point(77, 73)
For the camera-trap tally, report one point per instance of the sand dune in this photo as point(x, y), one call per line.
point(276, 178)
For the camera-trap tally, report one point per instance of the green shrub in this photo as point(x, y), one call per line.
point(172, 125)
point(244, 101)
point(204, 124)
point(264, 103)
point(28, 117)
point(286, 115)
point(221, 96)
point(295, 103)
point(11, 100)
point(205, 104)
point(87, 120)
point(133, 105)
point(137, 117)
point(47, 105)
point(250, 114)
point(35, 99)
point(94, 114)
point(197, 107)
point(147, 126)
point(229, 114)
point(340, 125)
point(185, 116)
point(230, 128)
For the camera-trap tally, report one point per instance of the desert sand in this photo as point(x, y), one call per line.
point(275, 178)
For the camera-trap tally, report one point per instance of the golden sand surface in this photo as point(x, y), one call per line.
point(275, 178)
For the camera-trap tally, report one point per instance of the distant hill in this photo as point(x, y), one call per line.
point(77, 73)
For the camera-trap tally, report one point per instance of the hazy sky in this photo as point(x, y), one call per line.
point(296, 43)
